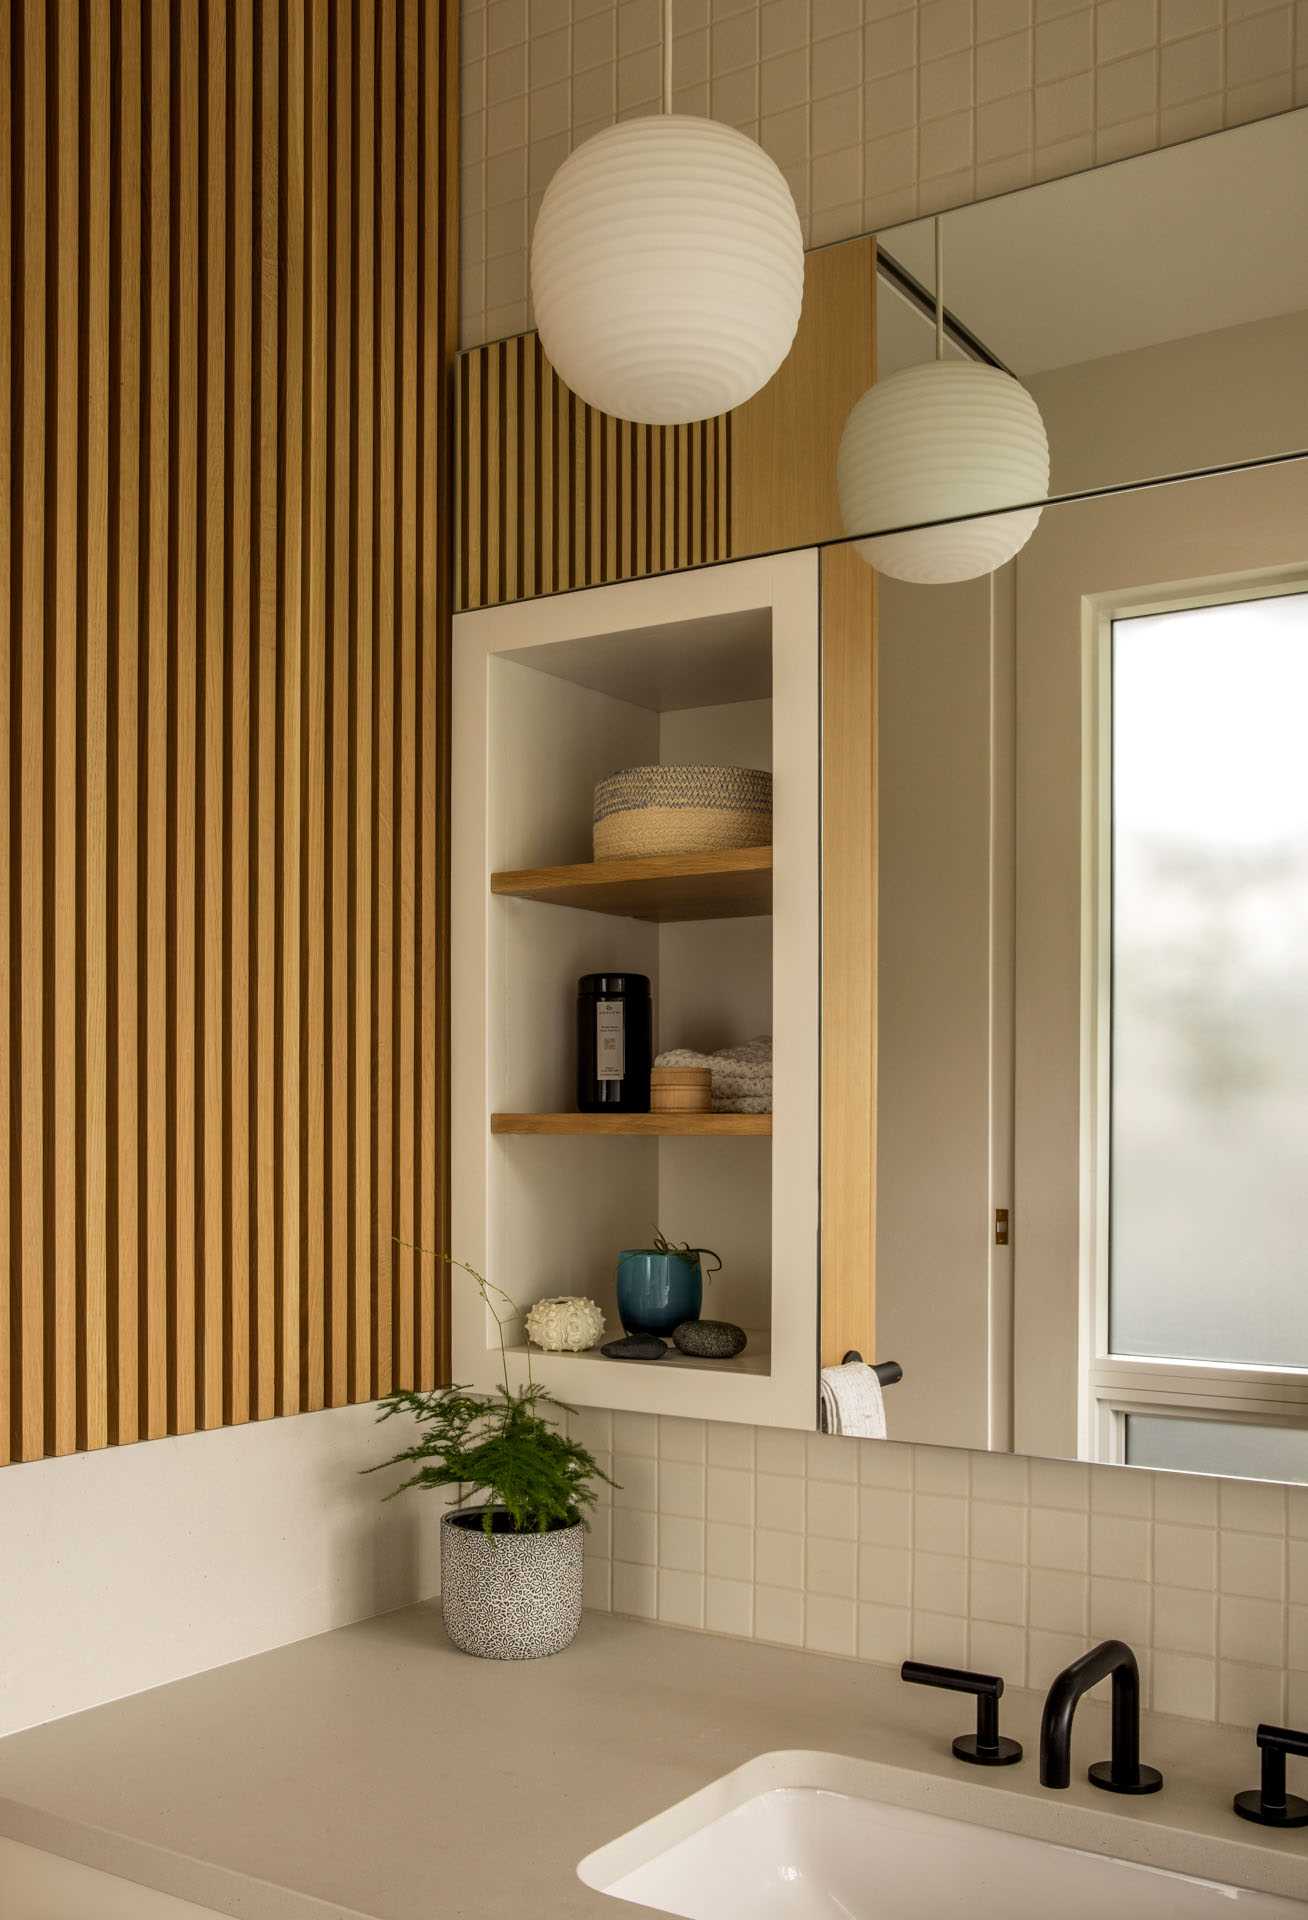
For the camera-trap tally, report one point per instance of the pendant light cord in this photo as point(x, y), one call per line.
point(940, 287)
point(667, 56)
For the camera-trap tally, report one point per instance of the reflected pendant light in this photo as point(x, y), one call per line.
point(667, 266)
point(936, 442)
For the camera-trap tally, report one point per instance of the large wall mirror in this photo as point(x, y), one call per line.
point(1093, 959)
point(1092, 1099)
point(1093, 1083)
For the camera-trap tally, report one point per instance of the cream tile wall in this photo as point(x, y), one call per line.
point(879, 1552)
point(876, 110)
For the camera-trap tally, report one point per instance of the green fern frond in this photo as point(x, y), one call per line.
point(499, 1445)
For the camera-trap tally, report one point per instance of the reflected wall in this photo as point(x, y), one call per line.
point(1117, 1065)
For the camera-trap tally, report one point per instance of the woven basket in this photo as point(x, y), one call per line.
point(681, 810)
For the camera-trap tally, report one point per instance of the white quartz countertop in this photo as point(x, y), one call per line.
point(376, 1772)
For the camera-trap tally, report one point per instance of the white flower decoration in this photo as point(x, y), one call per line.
point(567, 1323)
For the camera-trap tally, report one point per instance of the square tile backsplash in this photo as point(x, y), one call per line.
point(875, 110)
point(880, 1552)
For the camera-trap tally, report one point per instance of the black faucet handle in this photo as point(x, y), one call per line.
point(1270, 1805)
point(987, 1747)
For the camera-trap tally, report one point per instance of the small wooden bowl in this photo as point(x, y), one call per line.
point(681, 1090)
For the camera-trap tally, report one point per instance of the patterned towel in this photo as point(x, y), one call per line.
point(742, 1076)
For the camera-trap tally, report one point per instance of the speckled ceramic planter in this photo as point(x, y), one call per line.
point(509, 1596)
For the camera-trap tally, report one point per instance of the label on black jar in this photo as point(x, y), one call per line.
point(610, 1041)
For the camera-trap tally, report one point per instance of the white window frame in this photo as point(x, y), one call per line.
point(1113, 1386)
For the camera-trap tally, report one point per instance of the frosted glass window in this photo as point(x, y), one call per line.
point(1209, 1159)
point(1234, 1448)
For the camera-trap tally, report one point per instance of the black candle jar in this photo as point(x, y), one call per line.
point(614, 1043)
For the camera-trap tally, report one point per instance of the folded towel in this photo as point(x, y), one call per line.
point(741, 1076)
point(851, 1401)
point(745, 1103)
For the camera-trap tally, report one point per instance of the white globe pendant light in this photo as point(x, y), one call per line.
point(667, 267)
point(934, 443)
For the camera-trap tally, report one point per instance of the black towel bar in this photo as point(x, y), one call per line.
point(888, 1372)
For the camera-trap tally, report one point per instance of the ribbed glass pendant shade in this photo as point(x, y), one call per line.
point(932, 442)
point(667, 269)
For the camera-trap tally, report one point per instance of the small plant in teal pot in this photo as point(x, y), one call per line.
point(661, 1286)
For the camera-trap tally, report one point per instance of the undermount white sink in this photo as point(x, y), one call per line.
point(749, 1850)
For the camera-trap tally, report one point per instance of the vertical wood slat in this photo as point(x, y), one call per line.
point(93, 908)
point(583, 509)
point(126, 1375)
point(493, 519)
point(529, 432)
point(7, 480)
point(471, 482)
point(365, 1192)
point(27, 739)
point(439, 163)
point(62, 382)
point(402, 830)
point(238, 674)
point(545, 390)
point(511, 470)
point(265, 645)
point(313, 1025)
point(227, 307)
point(292, 1253)
point(441, 216)
point(339, 944)
point(428, 518)
point(212, 1243)
point(383, 701)
point(182, 944)
point(156, 50)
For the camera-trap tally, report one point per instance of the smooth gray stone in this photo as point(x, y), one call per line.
point(709, 1339)
point(636, 1346)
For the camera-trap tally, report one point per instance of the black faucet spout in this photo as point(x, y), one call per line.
point(1123, 1773)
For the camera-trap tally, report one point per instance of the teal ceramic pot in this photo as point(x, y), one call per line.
point(657, 1291)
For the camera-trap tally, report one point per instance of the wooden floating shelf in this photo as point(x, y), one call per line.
point(734, 885)
point(711, 1126)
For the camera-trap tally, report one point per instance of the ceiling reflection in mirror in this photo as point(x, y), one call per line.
point(1093, 998)
point(1139, 321)
point(1156, 310)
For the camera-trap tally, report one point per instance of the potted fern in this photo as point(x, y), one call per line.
point(511, 1564)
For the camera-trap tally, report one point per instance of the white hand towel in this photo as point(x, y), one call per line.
point(851, 1402)
point(741, 1076)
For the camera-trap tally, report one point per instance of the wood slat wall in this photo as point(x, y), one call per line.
point(228, 259)
point(554, 494)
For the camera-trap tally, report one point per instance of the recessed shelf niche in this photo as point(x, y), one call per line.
point(560, 1193)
